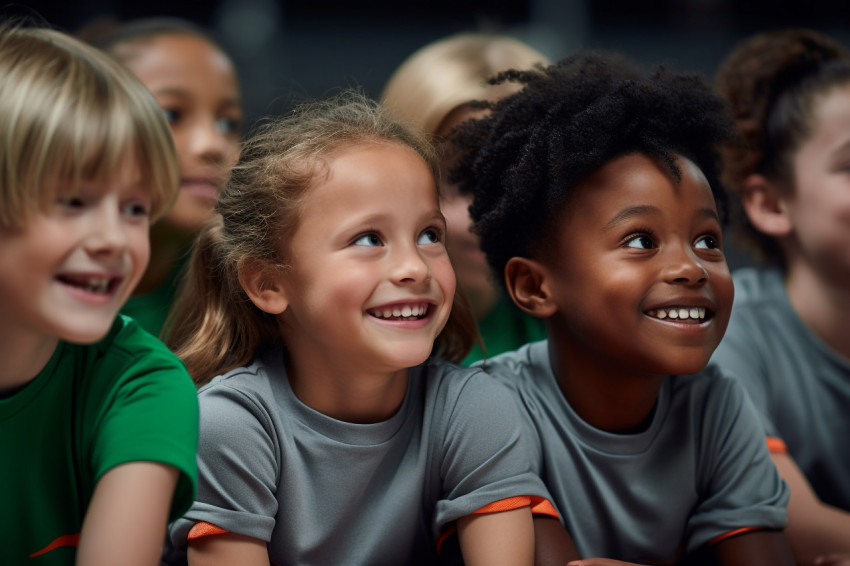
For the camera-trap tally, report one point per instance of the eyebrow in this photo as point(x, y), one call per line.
point(635, 211)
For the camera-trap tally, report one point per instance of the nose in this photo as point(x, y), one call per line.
point(107, 236)
point(409, 267)
point(684, 267)
point(208, 142)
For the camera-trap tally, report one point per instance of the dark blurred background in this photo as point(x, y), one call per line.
point(286, 50)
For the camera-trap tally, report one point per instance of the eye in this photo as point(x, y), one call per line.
point(71, 202)
point(229, 126)
point(640, 241)
point(430, 236)
point(707, 243)
point(173, 116)
point(137, 209)
point(370, 239)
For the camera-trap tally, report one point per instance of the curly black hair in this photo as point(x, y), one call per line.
point(522, 161)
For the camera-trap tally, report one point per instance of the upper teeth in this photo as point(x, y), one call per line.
point(695, 313)
point(97, 284)
point(400, 311)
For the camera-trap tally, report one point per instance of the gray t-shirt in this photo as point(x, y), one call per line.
point(701, 469)
point(800, 386)
point(323, 491)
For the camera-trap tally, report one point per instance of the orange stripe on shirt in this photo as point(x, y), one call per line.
point(66, 540)
point(776, 445)
point(204, 529)
point(736, 532)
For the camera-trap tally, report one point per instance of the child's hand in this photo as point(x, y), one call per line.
point(609, 562)
point(833, 560)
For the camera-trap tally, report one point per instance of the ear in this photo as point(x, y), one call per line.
point(765, 206)
point(263, 285)
point(527, 283)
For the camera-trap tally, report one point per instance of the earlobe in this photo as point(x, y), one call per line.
point(527, 285)
point(765, 206)
point(263, 287)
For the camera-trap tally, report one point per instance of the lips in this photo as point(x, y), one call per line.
point(200, 187)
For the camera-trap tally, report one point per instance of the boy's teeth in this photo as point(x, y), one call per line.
point(693, 313)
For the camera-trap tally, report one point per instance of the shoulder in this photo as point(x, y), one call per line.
point(521, 365)
point(465, 390)
point(755, 286)
point(129, 358)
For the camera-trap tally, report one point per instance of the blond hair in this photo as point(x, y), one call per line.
point(70, 114)
point(214, 326)
point(451, 72)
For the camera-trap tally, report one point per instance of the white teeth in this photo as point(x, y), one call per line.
point(97, 285)
point(405, 311)
point(694, 313)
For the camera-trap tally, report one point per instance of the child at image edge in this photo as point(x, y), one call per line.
point(330, 434)
point(595, 194)
point(98, 420)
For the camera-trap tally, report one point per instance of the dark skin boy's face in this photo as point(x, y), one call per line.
point(639, 279)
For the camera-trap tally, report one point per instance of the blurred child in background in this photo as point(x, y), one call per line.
point(196, 84)
point(788, 339)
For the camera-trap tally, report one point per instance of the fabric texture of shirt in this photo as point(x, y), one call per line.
point(701, 469)
point(321, 491)
point(93, 407)
point(799, 385)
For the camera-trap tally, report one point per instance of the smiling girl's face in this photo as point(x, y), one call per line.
point(638, 272)
point(196, 85)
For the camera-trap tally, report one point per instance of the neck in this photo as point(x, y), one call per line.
point(351, 396)
point(604, 395)
point(24, 356)
point(822, 303)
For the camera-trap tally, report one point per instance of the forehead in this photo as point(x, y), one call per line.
point(638, 182)
point(178, 57)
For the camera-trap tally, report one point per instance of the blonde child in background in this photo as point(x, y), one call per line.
point(331, 434)
point(196, 84)
point(787, 341)
point(431, 92)
point(98, 420)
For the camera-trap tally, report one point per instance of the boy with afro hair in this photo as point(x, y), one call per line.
point(596, 194)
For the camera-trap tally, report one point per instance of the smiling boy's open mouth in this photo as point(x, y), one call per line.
point(683, 314)
point(96, 285)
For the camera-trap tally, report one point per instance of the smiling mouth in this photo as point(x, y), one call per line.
point(683, 314)
point(95, 285)
point(416, 311)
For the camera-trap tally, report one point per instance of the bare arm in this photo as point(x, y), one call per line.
point(491, 539)
point(553, 546)
point(126, 520)
point(228, 549)
point(755, 548)
point(814, 528)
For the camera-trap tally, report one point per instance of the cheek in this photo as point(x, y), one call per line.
point(444, 275)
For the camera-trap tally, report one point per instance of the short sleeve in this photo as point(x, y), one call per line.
point(486, 452)
point(150, 414)
point(238, 466)
point(742, 488)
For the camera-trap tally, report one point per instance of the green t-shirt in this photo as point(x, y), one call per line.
point(124, 399)
point(504, 329)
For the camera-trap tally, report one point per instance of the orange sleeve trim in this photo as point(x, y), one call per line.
point(736, 532)
point(204, 529)
point(776, 445)
point(66, 540)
